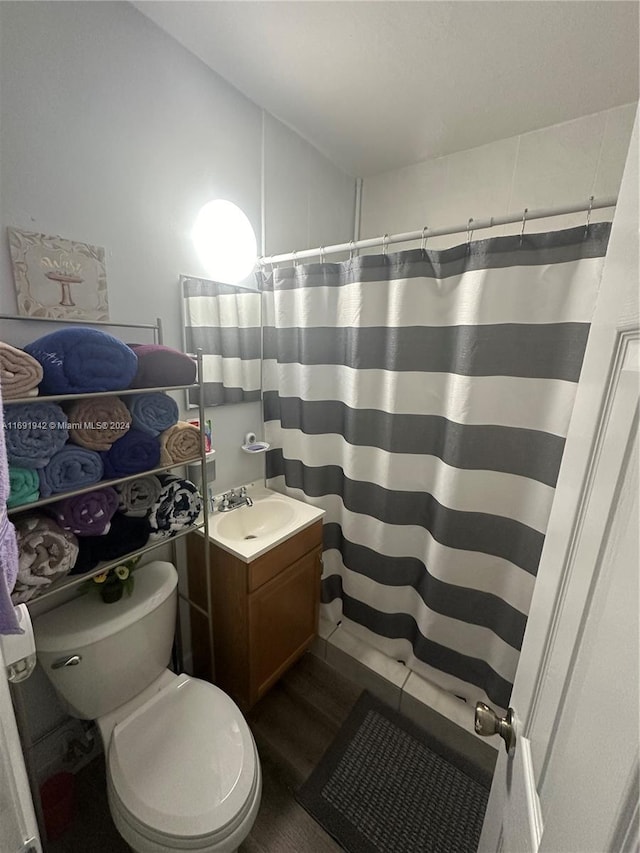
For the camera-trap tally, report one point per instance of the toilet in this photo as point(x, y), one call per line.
point(182, 767)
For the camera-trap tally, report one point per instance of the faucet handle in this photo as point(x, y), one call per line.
point(225, 499)
point(243, 491)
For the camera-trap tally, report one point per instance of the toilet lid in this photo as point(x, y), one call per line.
point(184, 762)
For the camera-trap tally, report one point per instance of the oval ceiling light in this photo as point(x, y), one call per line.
point(225, 241)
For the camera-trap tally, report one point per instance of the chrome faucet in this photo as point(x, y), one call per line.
point(232, 500)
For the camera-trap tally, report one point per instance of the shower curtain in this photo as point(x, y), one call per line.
point(422, 399)
point(223, 321)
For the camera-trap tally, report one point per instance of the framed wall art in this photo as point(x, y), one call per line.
point(55, 277)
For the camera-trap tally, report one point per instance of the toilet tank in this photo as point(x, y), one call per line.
point(122, 647)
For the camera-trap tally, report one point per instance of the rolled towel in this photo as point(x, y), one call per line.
point(180, 443)
point(46, 553)
point(136, 497)
point(8, 548)
point(34, 432)
point(24, 486)
point(80, 360)
point(95, 423)
point(124, 536)
point(20, 373)
point(159, 365)
point(178, 506)
point(134, 452)
point(152, 413)
point(89, 514)
point(70, 468)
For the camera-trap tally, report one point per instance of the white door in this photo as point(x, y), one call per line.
point(18, 827)
point(571, 786)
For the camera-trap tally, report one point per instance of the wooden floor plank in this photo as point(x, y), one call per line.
point(283, 826)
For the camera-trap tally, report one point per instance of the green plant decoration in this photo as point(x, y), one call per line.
point(115, 582)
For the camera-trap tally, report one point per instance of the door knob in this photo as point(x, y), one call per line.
point(488, 723)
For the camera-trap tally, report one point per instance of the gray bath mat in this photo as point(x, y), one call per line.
point(386, 786)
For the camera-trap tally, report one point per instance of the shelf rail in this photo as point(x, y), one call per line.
point(73, 581)
point(70, 581)
point(100, 484)
point(90, 395)
point(156, 327)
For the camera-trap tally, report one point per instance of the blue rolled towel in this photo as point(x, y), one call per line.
point(81, 360)
point(33, 433)
point(70, 468)
point(134, 452)
point(152, 413)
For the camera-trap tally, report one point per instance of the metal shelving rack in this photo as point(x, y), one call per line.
point(70, 581)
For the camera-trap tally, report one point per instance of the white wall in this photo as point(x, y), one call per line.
point(558, 165)
point(111, 133)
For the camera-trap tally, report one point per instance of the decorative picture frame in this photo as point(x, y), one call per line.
point(58, 278)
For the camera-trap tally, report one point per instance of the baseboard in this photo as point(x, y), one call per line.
point(422, 701)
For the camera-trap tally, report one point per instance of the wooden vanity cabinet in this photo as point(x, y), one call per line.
point(265, 613)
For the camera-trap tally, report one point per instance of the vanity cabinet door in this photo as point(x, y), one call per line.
point(283, 619)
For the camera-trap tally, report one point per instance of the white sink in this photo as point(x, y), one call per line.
point(250, 522)
point(250, 531)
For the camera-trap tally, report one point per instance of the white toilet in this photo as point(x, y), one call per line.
point(182, 768)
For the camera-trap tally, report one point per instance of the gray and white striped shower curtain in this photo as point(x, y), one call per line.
point(422, 399)
point(224, 321)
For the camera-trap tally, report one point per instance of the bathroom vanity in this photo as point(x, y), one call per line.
point(265, 569)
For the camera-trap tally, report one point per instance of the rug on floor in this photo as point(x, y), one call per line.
point(387, 786)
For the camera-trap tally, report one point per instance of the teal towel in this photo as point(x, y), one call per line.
point(24, 486)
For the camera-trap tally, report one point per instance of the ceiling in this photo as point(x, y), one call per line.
point(379, 85)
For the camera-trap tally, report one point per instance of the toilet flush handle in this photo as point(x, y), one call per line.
point(73, 660)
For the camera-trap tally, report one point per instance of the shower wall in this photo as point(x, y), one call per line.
point(557, 165)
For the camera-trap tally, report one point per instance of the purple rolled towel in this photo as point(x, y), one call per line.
point(159, 365)
point(134, 452)
point(86, 515)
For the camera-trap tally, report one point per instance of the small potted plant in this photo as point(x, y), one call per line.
point(116, 581)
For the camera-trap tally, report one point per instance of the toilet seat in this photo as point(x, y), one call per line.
point(182, 768)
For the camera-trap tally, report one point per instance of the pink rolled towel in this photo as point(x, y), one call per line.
point(96, 422)
point(180, 443)
point(20, 373)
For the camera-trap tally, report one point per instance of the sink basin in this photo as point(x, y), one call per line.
point(250, 522)
point(250, 531)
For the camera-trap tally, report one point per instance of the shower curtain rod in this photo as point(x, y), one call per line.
point(470, 226)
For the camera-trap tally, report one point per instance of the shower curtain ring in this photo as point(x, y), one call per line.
point(469, 233)
point(423, 242)
point(271, 263)
point(321, 254)
point(524, 219)
point(385, 243)
point(586, 227)
point(294, 258)
point(352, 249)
